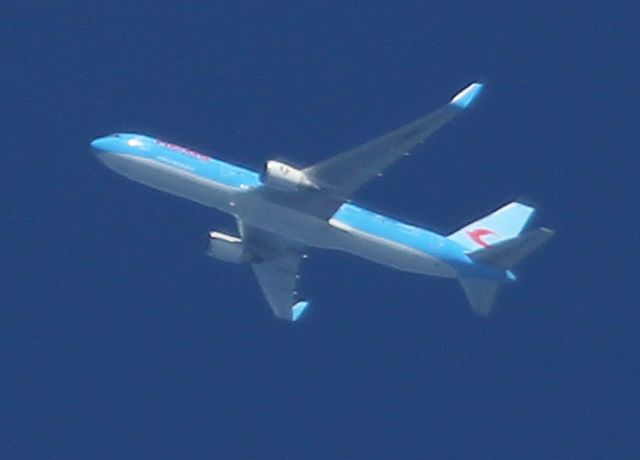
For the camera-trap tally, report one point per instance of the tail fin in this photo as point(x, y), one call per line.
point(501, 225)
point(505, 255)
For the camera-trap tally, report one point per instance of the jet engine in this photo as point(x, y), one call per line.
point(226, 248)
point(284, 177)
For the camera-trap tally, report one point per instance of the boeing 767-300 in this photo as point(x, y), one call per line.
point(282, 211)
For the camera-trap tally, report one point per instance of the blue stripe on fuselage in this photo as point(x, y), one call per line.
point(413, 237)
point(184, 159)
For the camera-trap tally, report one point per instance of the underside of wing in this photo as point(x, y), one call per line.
point(275, 265)
point(345, 173)
point(277, 278)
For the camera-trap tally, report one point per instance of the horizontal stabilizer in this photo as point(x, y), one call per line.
point(481, 294)
point(508, 253)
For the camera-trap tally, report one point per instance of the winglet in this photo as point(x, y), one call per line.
point(298, 309)
point(466, 96)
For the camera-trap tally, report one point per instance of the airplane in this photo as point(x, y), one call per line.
point(283, 210)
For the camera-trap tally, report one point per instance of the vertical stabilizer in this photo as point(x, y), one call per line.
point(501, 225)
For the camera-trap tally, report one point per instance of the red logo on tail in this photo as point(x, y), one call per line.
point(477, 235)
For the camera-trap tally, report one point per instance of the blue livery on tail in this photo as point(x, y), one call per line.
point(283, 210)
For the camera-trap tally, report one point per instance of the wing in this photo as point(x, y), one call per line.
point(276, 267)
point(345, 173)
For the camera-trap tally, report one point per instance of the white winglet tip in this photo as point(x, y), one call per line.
point(298, 309)
point(467, 95)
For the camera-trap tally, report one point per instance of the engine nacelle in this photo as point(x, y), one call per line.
point(227, 248)
point(284, 177)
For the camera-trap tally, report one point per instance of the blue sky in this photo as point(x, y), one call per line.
point(121, 339)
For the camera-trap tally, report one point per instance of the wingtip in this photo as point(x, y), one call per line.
point(464, 98)
point(298, 309)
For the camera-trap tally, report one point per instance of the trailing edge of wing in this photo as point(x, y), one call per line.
point(343, 174)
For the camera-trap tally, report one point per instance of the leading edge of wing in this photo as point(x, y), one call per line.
point(344, 173)
point(276, 269)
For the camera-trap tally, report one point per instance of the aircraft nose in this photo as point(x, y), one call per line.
point(104, 145)
point(100, 145)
